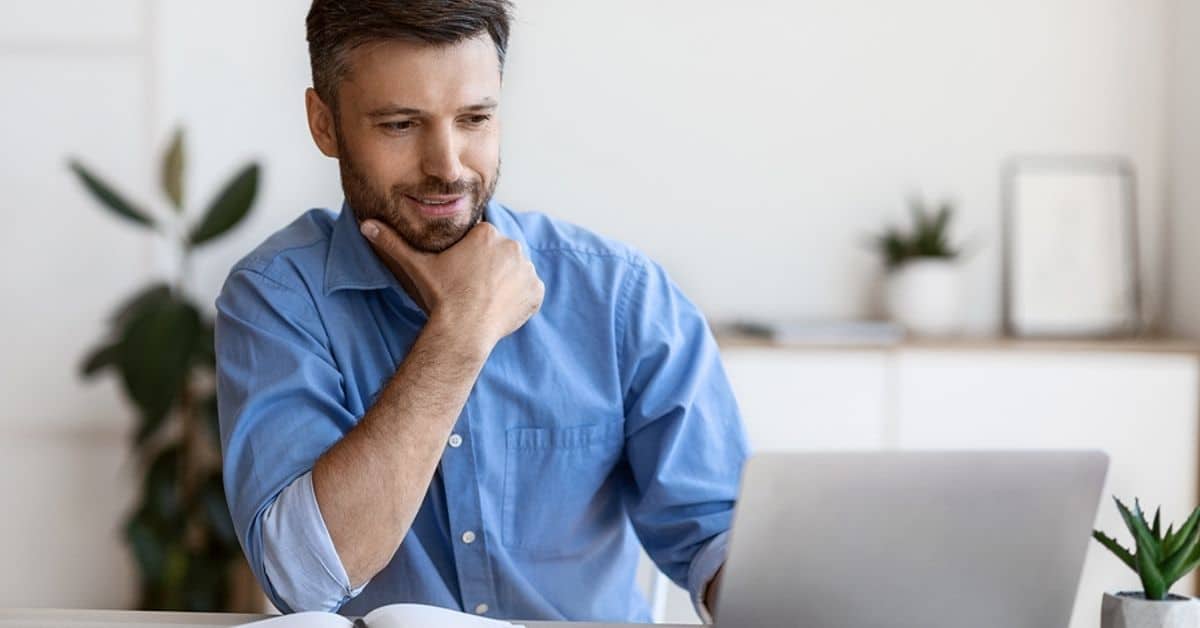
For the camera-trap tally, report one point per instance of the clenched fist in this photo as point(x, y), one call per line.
point(483, 283)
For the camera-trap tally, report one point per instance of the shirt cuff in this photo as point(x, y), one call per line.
point(704, 566)
point(299, 558)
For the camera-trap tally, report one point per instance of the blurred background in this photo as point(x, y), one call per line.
point(755, 149)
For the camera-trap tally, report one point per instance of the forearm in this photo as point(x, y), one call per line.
point(712, 590)
point(370, 484)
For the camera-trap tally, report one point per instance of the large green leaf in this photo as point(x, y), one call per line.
point(156, 351)
point(100, 358)
point(151, 296)
point(148, 548)
point(109, 197)
point(172, 171)
point(161, 487)
point(229, 207)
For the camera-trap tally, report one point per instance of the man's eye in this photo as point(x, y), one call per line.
point(478, 120)
point(399, 125)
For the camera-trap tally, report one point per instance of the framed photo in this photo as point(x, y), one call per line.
point(1070, 247)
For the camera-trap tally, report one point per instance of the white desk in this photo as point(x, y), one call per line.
point(70, 618)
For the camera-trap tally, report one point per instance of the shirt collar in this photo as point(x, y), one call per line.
point(352, 264)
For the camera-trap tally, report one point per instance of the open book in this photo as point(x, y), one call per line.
point(390, 616)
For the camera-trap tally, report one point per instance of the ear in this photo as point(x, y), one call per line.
point(320, 123)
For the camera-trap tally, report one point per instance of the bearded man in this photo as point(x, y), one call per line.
point(430, 397)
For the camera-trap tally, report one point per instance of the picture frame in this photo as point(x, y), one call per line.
point(1071, 267)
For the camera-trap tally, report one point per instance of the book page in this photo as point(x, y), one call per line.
point(423, 616)
point(307, 619)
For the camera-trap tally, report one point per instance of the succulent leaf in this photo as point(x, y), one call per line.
point(1116, 548)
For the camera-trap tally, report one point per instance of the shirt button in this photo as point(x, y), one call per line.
point(455, 440)
point(468, 537)
point(481, 609)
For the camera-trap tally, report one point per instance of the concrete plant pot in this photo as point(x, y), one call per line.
point(925, 297)
point(1130, 609)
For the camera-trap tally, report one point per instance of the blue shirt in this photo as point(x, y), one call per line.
point(604, 423)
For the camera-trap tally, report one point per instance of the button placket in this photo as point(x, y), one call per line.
point(461, 479)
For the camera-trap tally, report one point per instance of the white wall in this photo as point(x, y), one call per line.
point(74, 84)
point(748, 146)
point(1185, 169)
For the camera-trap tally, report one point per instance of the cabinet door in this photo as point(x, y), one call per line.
point(810, 400)
point(1140, 408)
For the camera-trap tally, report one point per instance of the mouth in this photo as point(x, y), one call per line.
point(438, 206)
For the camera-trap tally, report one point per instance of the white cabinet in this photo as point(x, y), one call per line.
point(1139, 403)
point(793, 400)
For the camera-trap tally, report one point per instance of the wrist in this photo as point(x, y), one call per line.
point(471, 341)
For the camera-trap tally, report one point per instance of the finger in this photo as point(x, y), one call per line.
point(413, 262)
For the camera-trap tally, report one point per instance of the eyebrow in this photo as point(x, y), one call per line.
point(487, 104)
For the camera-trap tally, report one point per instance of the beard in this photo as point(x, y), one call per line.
point(429, 235)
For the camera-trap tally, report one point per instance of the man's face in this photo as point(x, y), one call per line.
point(418, 137)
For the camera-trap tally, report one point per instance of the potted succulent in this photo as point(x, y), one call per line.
point(1160, 559)
point(922, 289)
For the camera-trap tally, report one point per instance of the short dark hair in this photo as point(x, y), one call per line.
point(335, 27)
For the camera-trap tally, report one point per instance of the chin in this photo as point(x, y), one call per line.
point(437, 235)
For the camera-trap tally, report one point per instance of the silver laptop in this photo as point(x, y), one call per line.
point(910, 539)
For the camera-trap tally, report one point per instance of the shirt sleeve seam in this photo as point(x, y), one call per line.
point(623, 305)
point(282, 286)
point(300, 296)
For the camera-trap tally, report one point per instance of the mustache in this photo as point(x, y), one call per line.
point(432, 186)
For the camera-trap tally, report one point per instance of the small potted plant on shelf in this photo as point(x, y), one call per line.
point(1160, 559)
point(922, 289)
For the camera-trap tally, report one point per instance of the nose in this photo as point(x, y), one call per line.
point(440, 155)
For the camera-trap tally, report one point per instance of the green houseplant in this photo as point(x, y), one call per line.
point(160, 344)
point(922, 290)
point(1160, 558)
point(928, 237)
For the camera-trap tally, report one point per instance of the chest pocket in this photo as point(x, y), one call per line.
point(559, 497)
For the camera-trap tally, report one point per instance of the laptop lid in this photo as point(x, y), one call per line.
point(986, 539)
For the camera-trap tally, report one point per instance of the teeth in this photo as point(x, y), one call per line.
point(429, 202)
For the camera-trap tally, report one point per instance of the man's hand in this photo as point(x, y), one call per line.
point(482, 283)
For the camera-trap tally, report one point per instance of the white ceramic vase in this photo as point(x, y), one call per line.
point(1132, 610)
point(925, 297)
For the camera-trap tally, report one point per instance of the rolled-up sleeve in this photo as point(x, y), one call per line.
point(684, 436)
point(281, 406)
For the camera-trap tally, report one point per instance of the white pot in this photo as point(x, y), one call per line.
point(1132, 610)
point(925, 296)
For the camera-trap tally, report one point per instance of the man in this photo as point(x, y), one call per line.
point(432, 398)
